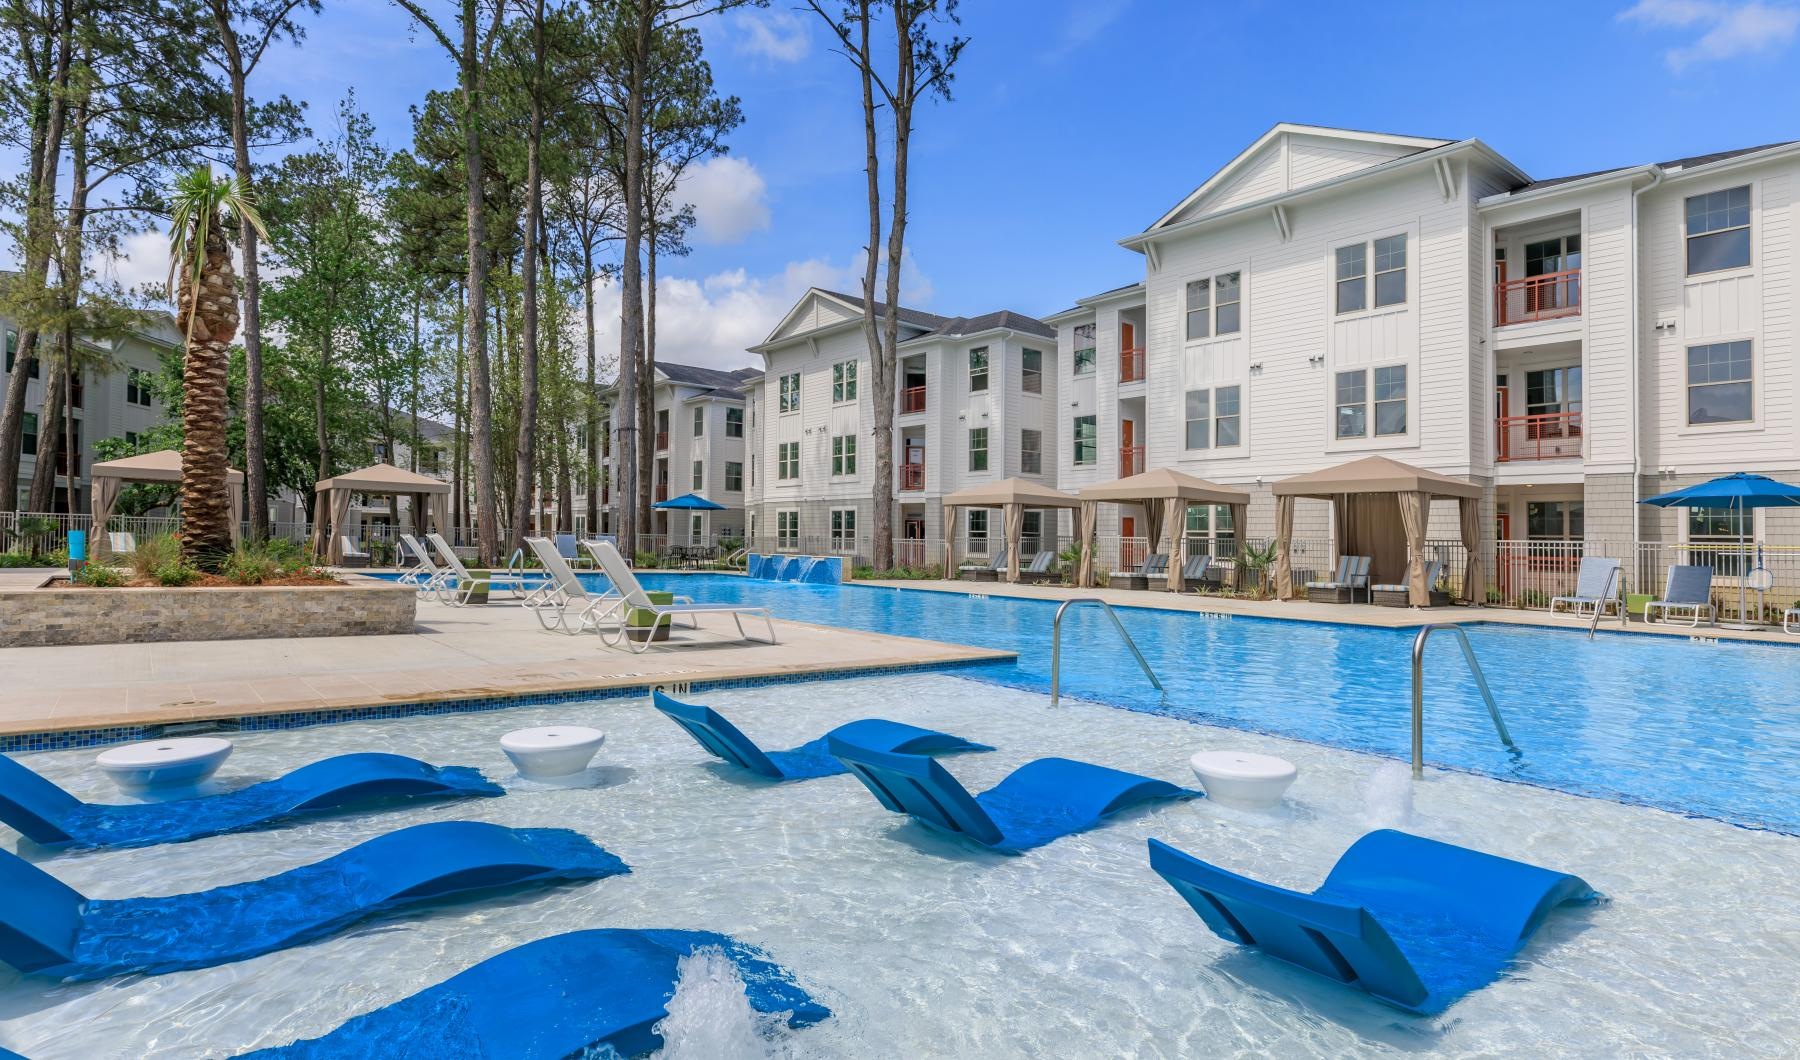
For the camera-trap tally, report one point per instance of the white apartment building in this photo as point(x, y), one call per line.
point(697, 437)
point(1572, 344)
point(977, 403)
point(114, 403)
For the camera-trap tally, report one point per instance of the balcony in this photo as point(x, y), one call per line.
point(662, 491)
point(1131, 461)
point(1547, 297)
point(912, 399)
point(1131, 365)
point(662, 441)
point(912, 477)
point(1545, 436)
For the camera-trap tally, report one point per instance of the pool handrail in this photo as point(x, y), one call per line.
point(1418, 692)
point(1056, 645)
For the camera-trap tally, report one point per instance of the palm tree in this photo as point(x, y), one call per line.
point(203, 286)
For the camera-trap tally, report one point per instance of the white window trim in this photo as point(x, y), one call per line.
point(1371, 440)
point(857, 382)
point(1212, 307)
point(1758, 384)
point(1756, 239)
point(1367, 239)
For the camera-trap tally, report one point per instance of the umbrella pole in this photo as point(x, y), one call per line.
point(1743, 622)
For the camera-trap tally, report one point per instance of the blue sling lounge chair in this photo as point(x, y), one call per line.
point(1413, 921)
point(809, 760)
point(49, 929)
point(586, 992)
point(1037, 803)
point(50, 816)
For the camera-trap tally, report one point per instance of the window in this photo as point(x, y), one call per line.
point(978, 531)
point(1352, 277)
point(696, 532)
point(787, 460)
point(1390, 270)
point(1352, 404)
point(734, 477)
point(1199, 309)
point(1210, 531)
point(1715, 538)
point(978, 369)
point(787, 530)
point(843, 530)
point(1719, 383)
point(28, 434)
point(1031, 532)
point(1213, 418)
point(790, 392)
point(137, 388)
point(1390, 400)
point(1087, 441)
point(1227, 291)
point(1086, 357)
point(1554, 520)
point(843, 382)
point(1718, 230)
point(131, 440)
point(978, 449)
point(1031, 452)
point(843, 454)
point(1199, 419)
point(1550, 391)
point(699, 421)
point(734, 423)
point(1031, 371)
point(699, 475)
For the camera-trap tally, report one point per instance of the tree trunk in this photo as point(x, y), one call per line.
point(208, 316)
point(647, 376)
point(481, 408)
point(41, 497)
point(883, 494)
point(459, 445)
point(591, 403)
point(525, 508)
point(631, 305)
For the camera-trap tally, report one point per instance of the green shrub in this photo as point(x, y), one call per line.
point(100, 577)
point(647, 559)
point(155, 553)
point(176, 574)
point(902, 574)
point(16, 559)
point(250, 565)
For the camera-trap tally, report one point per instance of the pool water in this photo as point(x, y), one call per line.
point(1700, 727)
point(925, 946)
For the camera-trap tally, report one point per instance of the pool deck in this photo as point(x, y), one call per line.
point(1354, 614)
point(453, 653)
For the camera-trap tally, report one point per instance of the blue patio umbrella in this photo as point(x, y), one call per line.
point(689, 502)
point(1738, 492)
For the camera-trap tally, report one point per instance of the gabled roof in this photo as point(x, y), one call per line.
point(1674, 164)
point(909, 316)
point(1396, 144)
point(1087, 304)
point(716, 383)
point(1005, 318)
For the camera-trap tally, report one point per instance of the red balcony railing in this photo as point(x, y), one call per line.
point(1546, 297)
point(1131, 460)
point(912, 476)
point(662, 440)
point(912, 399)
point(1131, 364)
point(1545, 436)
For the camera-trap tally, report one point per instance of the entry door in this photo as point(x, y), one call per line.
point(1127, 336)
point(914, 530)
point(1127, 442)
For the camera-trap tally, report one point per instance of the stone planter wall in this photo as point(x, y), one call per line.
point(47, 616)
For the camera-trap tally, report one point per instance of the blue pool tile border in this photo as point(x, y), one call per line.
point(74, 739)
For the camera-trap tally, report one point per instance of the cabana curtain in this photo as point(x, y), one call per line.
point(1012, 496)
point(1284, 536)
point(1090, 522)
point(331, 509)
point(1165, 496)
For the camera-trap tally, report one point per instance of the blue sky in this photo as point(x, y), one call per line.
point(1077, 122)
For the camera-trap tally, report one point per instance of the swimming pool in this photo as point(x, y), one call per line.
point(1702, 727)
point(925, 946)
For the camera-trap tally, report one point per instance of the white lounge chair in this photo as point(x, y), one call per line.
point(121, 542)
point(423, 575)
point(353, 556)
point(1599, 585)
point(1790, 621)
point(634, 599)
point(1688, 589)
point(611, 539)
point(569, 607)
point(457, 586)
point(1352, 574)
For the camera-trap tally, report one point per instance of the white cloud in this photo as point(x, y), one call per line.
point(1728, 29)
point(784, 36)
point(712, 321)
point(729, 196)
point(143, 261)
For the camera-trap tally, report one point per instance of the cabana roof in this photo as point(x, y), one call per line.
point(164, 465)
point(383, 478)
point(1011, 491)
point(1165, 484)
point(1374, 474)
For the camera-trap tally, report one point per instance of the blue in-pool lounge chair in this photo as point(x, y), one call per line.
point(49, 816)
point(49, 929)
point(1037, 803)
point(586, 992)
point(809, 760)
point(1413, 921)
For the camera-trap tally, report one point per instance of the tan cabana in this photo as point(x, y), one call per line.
point(331, 508)
point(1165, 495)
point(110, 476)
point(1012, 496)
point(1380, 509)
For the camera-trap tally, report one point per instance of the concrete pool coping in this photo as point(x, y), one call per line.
point(453, 654)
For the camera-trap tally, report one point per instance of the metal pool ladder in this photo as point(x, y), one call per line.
point(1056, 645)
point(1418, 692)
